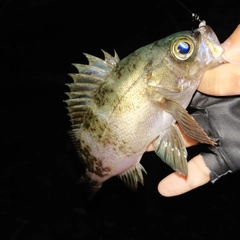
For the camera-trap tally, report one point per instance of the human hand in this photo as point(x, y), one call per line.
point(223, 80)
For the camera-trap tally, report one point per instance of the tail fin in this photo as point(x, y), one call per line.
point(90, 189)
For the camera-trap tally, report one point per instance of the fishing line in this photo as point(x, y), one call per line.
point(195, 17)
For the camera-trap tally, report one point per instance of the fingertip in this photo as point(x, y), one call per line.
point(176, 184)
point(163, 190)
point(172, 185)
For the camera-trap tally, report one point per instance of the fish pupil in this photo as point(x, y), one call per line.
point(183, 48)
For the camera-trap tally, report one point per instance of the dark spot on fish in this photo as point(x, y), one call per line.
point(92, 163)
point(102, 171)
point(118, 72)
point(129, 64)
point(156, 43)
point(104, 96)
point(95, 165)
point(93, 124)
point(133, 67)
point(148, 66)
point(86, 124)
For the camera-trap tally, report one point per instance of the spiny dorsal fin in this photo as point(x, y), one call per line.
point(86, 83)
point(132, 176)
point(107, 64)
point(90, 70)
point(110, 59)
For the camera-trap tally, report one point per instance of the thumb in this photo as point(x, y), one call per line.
point(232, 47)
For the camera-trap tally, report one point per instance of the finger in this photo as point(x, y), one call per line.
point(232, 47)
point(150, 148)
point(223, 80)
point(176, 184)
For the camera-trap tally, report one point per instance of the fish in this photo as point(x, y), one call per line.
point(118, 108)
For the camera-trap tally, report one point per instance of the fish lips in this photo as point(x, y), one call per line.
point(211, 41)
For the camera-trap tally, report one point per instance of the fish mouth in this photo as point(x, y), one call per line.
point(212, 43)
point(221, 59)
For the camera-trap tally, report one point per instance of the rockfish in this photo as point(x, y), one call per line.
point(119, 107)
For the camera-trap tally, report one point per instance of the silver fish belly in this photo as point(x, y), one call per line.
point(119, 107)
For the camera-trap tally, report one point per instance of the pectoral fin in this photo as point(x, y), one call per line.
point(186, 121)
point(170, 148)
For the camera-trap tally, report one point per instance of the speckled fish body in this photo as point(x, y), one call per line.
point(119, 107)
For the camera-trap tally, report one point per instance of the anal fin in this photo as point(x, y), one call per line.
point(132, 176)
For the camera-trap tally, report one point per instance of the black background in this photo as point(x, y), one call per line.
point(39, 199)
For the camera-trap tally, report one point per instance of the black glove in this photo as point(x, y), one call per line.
point(220, 119)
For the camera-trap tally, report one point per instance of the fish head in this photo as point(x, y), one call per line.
point(186, 56)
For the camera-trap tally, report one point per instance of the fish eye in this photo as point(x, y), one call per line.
point(182, 48)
